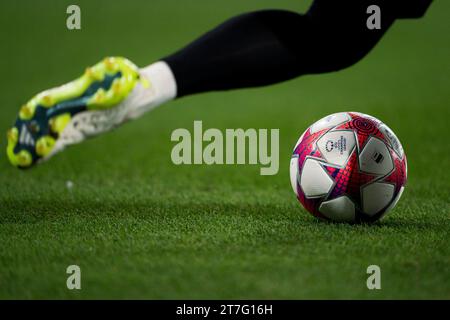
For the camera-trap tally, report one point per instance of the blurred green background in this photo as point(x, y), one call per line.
point(141, 227)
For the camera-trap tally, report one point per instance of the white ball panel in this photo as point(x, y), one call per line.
point(314, 181)
point(339, 209)
point(330, 121)
point(393, 140)
point(336, 146)
point(375, 157)
point(395, 201)
point(377, 196)
point(293, 171)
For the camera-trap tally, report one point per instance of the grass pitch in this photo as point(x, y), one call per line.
point(141, 227)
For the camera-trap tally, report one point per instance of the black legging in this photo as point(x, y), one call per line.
point(266, 47)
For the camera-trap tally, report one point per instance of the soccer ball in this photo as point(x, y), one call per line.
point(348, 167)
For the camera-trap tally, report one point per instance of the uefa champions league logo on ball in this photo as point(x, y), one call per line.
point(340, 145)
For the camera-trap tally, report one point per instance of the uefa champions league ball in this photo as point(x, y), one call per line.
point(348, 167)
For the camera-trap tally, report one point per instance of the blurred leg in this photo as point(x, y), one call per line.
point(266, 47)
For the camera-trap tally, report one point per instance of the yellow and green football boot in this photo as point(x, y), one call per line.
point(106, 95)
